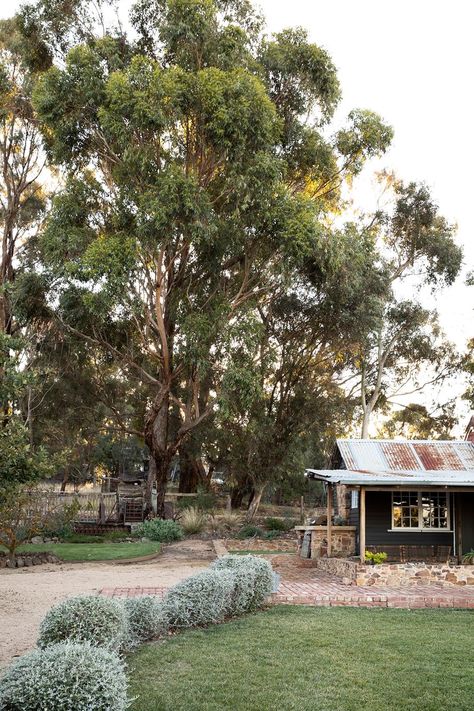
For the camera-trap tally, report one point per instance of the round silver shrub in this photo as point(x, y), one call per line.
point(146, 619)
point(86, 618)
point(200, 600)
point(65, 677)
point(253, 580)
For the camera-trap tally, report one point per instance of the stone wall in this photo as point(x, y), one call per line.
point(398, 574)
point(24, 560)
point(342, 540)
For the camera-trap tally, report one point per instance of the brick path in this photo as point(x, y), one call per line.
point(308, 586)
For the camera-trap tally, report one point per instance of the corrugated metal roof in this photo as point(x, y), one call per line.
point(378, 455)
point(393, 463)
point(399, 478)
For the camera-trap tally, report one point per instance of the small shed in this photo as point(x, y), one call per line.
point(411, 499)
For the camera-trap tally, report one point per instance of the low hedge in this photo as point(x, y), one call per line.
point(86, 618)
point(253, 580)
point(202, 599)
point(65, 677)
point(146, 619)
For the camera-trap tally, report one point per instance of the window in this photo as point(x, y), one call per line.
point(354, 499)
point(420, 510)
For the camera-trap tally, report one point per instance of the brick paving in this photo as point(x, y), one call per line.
point(309, 586)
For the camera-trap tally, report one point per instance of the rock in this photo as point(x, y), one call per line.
point(20, 563)
point(36, 561)
point(11, 563)
point(36, 540)
point(27, 561)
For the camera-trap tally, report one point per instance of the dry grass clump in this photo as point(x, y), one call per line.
point(193, 520)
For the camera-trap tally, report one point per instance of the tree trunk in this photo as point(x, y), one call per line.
point(365, 424)
point(253, 508)
point(156, 438)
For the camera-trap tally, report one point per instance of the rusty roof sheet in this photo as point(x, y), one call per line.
point(378, 455)
point(401, 478)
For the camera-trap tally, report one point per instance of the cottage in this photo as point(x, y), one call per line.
point(413, 500)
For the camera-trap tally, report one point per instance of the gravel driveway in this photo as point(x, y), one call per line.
point(26, 594)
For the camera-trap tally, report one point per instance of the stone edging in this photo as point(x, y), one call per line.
point(28, 559)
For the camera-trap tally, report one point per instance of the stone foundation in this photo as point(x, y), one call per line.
point(398, 574)
point(259, 544)
point(342, 540)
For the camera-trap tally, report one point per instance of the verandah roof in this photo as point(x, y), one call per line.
point(397, 463)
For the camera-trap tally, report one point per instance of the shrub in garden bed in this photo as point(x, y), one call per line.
point(278, 524)
point(146, 619)
point(158, 529)
point(86, 618)
point(253, 580)
point(250, 531)
point(65, 677)
point(201, 600)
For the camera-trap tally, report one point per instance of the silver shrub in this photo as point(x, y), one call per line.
point(65, 677)
point(202, 599)
point(86, 618)
point(253, 580)
point(146, 619)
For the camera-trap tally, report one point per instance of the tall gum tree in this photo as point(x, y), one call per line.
point(418, 248)
point(195, 184)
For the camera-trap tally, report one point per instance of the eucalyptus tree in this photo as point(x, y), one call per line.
point(195, 186)
point(407, 350)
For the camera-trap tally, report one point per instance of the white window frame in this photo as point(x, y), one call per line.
point(421, 528)
point(354, 499)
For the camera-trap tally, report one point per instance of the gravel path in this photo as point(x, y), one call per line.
point(26, 594)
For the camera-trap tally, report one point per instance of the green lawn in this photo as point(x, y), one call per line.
point(313, 659)
point(94, 551)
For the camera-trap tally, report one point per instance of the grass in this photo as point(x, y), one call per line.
point(94, 551)
point(301, 659)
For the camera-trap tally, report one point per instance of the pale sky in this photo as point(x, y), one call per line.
point(411, 61)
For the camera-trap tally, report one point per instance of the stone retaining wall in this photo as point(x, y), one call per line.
point(259, 544)
point(398, 574)
point(343, 540)
point(24, 560)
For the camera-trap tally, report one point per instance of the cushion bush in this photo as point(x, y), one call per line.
point(202, 599)
point(85, 618)
point(146, 619)
point(158, 529)
point(65, 677)
point(253, 583)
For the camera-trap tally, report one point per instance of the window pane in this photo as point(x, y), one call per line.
point(435, 509)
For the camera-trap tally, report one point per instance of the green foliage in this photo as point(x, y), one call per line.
point(278, 524)
point(203, 599)
point(205, 500)
point(65, 676)
point(145, 619)
point(160, 530)
point(375, 558)
point(468, 558)
point(85, 618)
point(250, 531)
point(252, 583)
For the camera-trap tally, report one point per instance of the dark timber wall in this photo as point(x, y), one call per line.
point(378, 521)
